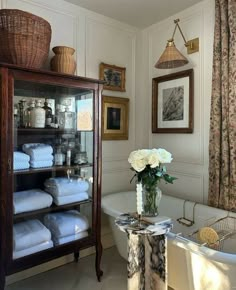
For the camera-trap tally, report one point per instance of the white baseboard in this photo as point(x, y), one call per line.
point(107, 242)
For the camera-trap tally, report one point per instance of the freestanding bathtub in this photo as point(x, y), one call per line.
point(191, 265)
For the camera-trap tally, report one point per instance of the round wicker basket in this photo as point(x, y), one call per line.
point(24, 37)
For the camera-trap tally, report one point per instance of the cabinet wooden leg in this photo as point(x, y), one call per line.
point(99, 272)
point(76, 256)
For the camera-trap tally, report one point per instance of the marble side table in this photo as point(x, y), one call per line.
point(147, 251)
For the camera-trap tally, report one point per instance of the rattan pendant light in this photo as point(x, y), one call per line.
point(172, 57)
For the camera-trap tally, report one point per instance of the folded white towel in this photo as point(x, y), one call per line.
point(39, 164)
point(64, 186)
point(60, 200)
point(42, 157)
point(67, 239)
point(20, 156)
point(17, 165)
point(32, 250)
point(29, 200)
point(66, 223)
point(28, 234)
point(34, 149)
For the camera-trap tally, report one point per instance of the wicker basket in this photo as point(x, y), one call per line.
point(24, 38)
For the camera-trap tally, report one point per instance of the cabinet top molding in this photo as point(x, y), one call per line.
point(51, 73)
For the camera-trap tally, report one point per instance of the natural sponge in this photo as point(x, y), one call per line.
point(208, 235)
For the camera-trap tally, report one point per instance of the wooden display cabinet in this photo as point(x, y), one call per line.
point(18, 83)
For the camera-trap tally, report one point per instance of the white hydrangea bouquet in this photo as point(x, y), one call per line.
point(149, 170)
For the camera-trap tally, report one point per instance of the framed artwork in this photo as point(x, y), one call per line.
point(114, 77)
point(172, 103)
point(115, 118)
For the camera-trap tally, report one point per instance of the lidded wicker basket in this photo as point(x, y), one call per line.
point(24, 38)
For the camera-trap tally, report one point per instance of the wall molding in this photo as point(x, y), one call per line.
point(115, 170)
point(195, 12)
point(51, 6)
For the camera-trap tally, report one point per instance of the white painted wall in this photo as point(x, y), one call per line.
point(190, 151)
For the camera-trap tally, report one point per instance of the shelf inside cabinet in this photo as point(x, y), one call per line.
point(52, 208)
point(48, 131)
point(52, 168)
point(44, 131)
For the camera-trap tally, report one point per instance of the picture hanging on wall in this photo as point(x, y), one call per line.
point(115, 118)
point(114, 77)
point(172, 103)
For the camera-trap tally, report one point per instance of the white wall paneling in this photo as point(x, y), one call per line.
point(190, 151)
point(113, 44)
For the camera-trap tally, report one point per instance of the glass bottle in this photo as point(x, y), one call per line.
point(21, 112)
point(57, 116)
point(48, 114)
point(38, 116)
point(67, 119)
point(58, 157)
point(27, 114)
point(15, 112)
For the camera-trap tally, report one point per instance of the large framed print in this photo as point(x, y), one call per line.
point(172, 103)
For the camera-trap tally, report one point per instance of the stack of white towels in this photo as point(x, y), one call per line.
point(66, 226)
point(40, 154)
point(20, 161)
point(28, 200)
point(30, 237)
point(66, 190)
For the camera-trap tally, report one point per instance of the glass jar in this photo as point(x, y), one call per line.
point(81, 158)
point(27, 114)
point(151, 200)
point(66, 119)
point(38, 116)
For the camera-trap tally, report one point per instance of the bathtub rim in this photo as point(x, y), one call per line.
point(174, 238)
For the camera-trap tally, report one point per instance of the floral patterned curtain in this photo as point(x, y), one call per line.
point(222, 147)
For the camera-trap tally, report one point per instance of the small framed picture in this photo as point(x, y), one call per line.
point(115, 118)
point(172, 103)
point(114, 77)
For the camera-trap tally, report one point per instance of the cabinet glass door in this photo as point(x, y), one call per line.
point(53, 166)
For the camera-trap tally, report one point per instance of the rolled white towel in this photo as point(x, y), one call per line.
point(20, 156)
point(40, 164)
point(28, 234)
point(18, 165)
point(67, 239)
point(60, 186)
point(34, 149)
point(32, 250)
point(60, 200)
point(29, 200)
point(66, 223)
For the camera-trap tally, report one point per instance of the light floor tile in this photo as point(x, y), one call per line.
point(80, 276)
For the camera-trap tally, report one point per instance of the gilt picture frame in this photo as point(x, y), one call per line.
point(115, 118)
point(173, 103)
point(114, 77)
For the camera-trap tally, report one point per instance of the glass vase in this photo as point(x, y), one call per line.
point(151, 200)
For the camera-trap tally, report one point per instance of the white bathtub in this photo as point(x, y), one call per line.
point(190, 265)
